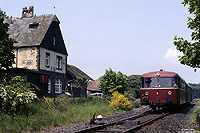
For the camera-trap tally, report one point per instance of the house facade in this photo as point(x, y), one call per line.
point(40, 51)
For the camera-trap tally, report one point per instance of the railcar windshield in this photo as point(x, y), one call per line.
point(165, 82)
point(142, 82)
point(175, 82)
point(150, 82)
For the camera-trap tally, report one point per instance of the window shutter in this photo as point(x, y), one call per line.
point(46, 79)
point(42, 79)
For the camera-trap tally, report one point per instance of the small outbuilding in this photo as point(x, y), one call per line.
point(93, 88)
point(73, 88)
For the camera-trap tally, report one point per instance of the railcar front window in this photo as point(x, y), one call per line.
point(165, 82)
point(175, 82)
point(150, 82)
point(142, 82)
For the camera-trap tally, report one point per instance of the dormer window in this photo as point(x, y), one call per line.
point(54, 39)
point(33, 25)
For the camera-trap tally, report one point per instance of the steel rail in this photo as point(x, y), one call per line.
point(145, 123)
point(99, 127)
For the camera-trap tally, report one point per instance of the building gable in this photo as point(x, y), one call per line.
point(37, 31)
point(40, 51)
point(53, 39)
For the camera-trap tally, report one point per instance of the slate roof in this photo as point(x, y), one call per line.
point(76, 72)
point(25, 36)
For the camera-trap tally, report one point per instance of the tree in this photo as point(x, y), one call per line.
point(191, 50)
point(133, 90)
point(81, 82)
point(6, 47)
point(113, 81)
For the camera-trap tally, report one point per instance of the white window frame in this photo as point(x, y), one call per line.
point(54, 40)
point(58, 86)
point(47, 59)
point(59, 62)
point(49, 85)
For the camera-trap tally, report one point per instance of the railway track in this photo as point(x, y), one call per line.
point(125, 125)
point(151, 119)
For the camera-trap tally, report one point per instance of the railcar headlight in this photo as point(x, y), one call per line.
point(146, 93)
point(169, 92)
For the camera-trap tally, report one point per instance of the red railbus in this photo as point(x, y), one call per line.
point(162, 89)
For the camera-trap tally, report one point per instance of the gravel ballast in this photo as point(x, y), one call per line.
point(179, 121)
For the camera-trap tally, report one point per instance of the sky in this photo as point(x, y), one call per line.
point(131, 36)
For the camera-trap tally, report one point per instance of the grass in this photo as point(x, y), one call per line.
point(47, 114)
point(136, 103)
point(44, 115)
point(196, 112)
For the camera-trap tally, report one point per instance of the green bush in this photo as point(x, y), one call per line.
point(15, 95)
point(196, 112)
point(137, 103)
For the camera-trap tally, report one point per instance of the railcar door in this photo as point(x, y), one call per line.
point(186, 93)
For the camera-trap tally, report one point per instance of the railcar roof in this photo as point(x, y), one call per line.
point(160, 74)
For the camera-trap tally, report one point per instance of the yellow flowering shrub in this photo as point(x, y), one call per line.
point(119, 102)
point(47, 99)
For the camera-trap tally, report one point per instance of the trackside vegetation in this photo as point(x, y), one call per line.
point(50, 113)
point(16, 94)
point(120, 102)
point(121, 90)
point(22, 111)
point(196, 118)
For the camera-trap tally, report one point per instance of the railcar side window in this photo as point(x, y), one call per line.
point(165, 82)
point(150, 82)
point(175, 82)
point(181, 85)
point(184, 86)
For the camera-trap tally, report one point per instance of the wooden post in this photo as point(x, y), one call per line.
point(72, 90)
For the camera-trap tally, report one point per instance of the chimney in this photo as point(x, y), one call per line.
point(27, 13)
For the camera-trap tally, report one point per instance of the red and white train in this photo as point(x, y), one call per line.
point(162, 89)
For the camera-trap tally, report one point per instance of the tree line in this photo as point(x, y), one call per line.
point(113, 81)
point(195, 90)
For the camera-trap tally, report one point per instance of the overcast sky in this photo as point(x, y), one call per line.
point(131, 36)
